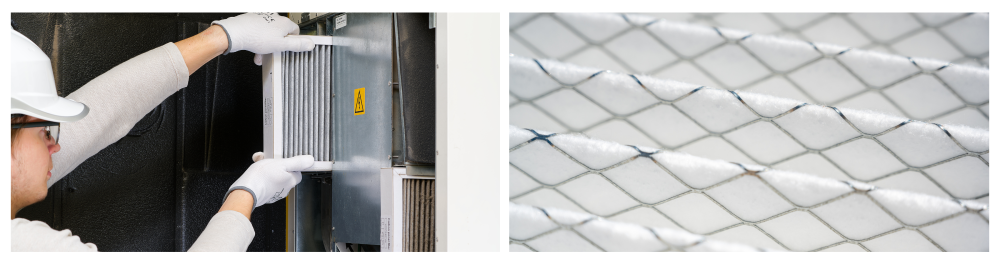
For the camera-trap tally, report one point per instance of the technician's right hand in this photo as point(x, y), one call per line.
point(263, 33)
point(269, 180)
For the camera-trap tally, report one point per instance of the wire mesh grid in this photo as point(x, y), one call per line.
point(773, 120)
point(857, 89)
point(889, 33)
point(671, 241)
point(749, 171)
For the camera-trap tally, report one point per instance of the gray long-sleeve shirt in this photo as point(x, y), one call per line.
point(118, 99)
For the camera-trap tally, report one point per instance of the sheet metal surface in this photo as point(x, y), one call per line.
point(363, 142)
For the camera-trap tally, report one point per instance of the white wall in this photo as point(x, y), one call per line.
point(471, 128)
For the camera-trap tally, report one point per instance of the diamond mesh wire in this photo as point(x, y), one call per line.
point(894, 33)
point(849, 193)
point(558, 221)
point(733, 60)
point(801, 148)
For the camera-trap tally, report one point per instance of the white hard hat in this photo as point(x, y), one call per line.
point(33, 89)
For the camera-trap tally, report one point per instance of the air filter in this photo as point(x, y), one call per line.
point(298, 104)
point(928, 79)
point(418, 219)
point(740, 203)
point(407, 220)
point(634, 133)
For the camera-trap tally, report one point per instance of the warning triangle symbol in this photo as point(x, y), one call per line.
point(359, 104)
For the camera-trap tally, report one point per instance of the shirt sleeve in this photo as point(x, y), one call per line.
point(37, 236)
point(228, 231)
point(118, 99)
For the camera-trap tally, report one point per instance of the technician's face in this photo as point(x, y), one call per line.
point(31, 161)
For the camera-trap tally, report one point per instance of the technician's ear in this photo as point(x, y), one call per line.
point(15, 141)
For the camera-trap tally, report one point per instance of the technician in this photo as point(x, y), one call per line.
point(51, 135)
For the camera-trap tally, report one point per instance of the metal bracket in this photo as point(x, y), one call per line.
point(414, 170)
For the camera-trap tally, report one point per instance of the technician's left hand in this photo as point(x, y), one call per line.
point(269, 180)
point(263, 33)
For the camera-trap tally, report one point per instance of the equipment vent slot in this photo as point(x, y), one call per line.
point(418, 215)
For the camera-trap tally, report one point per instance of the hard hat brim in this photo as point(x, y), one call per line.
point(62, 110)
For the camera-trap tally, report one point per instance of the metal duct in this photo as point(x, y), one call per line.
point(307, 110)
point(418, 215)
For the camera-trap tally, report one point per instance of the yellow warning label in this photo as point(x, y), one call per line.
point(359, 101)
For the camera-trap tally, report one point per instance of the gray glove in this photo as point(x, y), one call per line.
point(269, 180)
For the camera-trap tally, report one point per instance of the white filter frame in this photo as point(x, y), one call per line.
point(273, 135)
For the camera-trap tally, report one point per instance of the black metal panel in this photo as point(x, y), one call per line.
point(416, 82)
point(156, 189)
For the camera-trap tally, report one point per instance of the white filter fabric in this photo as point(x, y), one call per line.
point(898, 63)
point(542, 229)
point(957, 37)
point(749, 100)
point(741, 127)
point(744, 204)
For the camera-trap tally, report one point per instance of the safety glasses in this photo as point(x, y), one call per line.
point(51, 128)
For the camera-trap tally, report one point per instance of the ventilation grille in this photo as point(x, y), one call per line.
point(418, 215)
point(308, 106)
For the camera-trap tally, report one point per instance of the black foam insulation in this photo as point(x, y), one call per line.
point(417, 72)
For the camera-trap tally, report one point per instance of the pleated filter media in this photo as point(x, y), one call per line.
point(792, 146)
point(418, 215)
point(308, 108)
point(298, 104)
